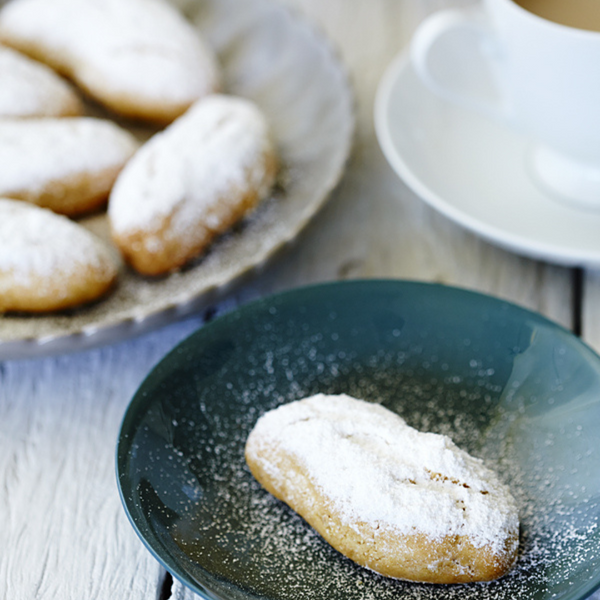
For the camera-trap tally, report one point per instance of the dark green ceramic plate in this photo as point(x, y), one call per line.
point(506, 384)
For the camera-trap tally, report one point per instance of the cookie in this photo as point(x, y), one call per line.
point(192, 182)
point(48, 262)
point(139, 58)
point(68, 165)
point(406, 504)
point(30, 89)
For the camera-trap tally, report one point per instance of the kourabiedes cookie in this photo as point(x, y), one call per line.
point(48, 262)
point(30, 89)
point(68, 165)
point(405, 504)
point(191, 182)
point(140, 58)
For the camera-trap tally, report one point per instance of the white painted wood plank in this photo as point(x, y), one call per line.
point(63, 532)
point(590, 317)
point(591, 309)
point(590, 322)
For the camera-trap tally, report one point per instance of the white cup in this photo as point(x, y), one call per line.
point(538, 76)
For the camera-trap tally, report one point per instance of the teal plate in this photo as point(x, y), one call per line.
point(505, 383)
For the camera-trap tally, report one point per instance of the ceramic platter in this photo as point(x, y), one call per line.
point(505, 384)
point(290, 70)
point(475, 172)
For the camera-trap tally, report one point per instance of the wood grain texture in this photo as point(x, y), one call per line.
point(590, 318)
point(590, 313)
point(63, 532)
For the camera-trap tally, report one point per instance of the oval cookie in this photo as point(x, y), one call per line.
point(48, 262)
point(191, 183)
point(140, 58)
point(405, 504)
point(68, 165)
point(30, 89)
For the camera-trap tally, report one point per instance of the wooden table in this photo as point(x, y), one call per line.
point(63, 533)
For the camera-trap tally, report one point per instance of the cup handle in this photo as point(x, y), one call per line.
point(457, 55)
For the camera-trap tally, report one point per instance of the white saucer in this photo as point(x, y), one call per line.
point(474, 171)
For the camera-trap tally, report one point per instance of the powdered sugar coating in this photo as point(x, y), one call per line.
point(37, 242)
point(191, 182)
point(47, 260)
point(214, 147)
point(375, 469)
point(128, 54)
point(37, 152)
point(29, 89)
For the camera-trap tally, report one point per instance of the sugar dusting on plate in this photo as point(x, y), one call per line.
point(240, 533)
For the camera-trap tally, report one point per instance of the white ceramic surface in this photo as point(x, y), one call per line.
point(545, 81)
point(290, 70)
point(474, 170)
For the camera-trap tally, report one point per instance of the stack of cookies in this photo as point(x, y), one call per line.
point(210, 161)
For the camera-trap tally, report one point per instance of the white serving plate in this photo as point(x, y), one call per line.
point(281, 62)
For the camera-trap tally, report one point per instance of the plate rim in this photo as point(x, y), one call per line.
point(498, 236)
